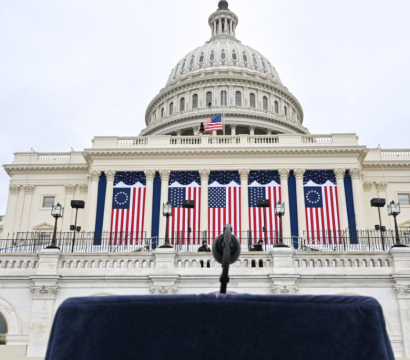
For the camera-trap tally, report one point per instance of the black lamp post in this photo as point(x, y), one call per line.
point(280, 211)
point(57, 211)
point(167, 212)
point(76, 204)
point(188, 204)
point(264, 204)
point(394, 210)
point(379, 203)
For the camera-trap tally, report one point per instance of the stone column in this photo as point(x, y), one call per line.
point(300, 193)
point(244, 174)
point(233, 129)
point(165, 174)
point(381, 187)
point(179, 132)
point(284, 176)
point(204, 198)
point(251, 130)
point(341, 197)
point(268, 131)
point(149, 198)
point(68, 211)
point(92, 209)
point(14, 191)
point(109, 192)
point(358, 198)
point(195, 130)
point(18, 217)
point(28, 197)
point(44, 291)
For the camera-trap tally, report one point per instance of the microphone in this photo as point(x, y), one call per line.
point(226, 250)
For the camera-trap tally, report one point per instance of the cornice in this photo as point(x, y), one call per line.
point(16, 169)
point(393, 165)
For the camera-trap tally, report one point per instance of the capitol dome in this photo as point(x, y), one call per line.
point(228, 77)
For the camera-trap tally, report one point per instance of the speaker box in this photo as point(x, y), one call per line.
point(379, 203)
point(188, 204)
point(263, 203)
point(78, 204)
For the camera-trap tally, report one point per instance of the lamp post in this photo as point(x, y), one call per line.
point(379, 203)
point(57, 211)
point(394, 210)
point(280, 211)
point(188, 204)
point(167, 212)
point(76, 204)
point(264, 204)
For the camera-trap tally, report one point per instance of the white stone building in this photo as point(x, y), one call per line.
point(263, 132)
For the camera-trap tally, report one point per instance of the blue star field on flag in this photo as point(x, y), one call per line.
point(217, 198)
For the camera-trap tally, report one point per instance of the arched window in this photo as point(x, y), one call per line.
point(263, 64)
point(223, 55)
point(176, 70)
point(171, 108)
point(245, 58)
point(195, 101)
point(234, 57)
point(183, 66)
point(252, 102)
point(255, 61)
point(162, 112)
point(265, 103)
point(192, 61)
point(285, 109)
point(238, 98)
point(276, 107)
point(223, 98)
point(212, 56)
point(209, 99)
point(201, 58)
point(182, 104)
point(3, 330)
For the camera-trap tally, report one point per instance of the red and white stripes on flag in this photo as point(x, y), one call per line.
point(257, 220)
point(224, 207)
point(127, 217)
point(322, 220)
point(178, 223)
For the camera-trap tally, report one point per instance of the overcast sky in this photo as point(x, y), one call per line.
point(74, 69)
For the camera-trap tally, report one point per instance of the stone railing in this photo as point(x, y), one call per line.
point(166, 141)
point(53, 156)
point(396, 153)
point(18, 262)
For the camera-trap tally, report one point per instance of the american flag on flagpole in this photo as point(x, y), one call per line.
point(128, 206)
point(322, 209)
point(264, 185)
point(214, 123)
point(224, 203)
point(184, 186)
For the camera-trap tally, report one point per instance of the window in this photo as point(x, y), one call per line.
point(285, 109)
point(3, 330)
point(223, 55)
point(209, 99)
point(245, 58)
point(223, 98)
point(176, 70)
point(404, 199)
point(192, 61)
point(238, 98)
point(234, 57)
point(183, 66)
point(48, 201)
point(171, 108)
point(265, 103)
point(195, 101)
point(276, 107)
point(182, 104)
point(212, 56)
point(263, 64)
point(162, 112)
point(201, 58)
point(252, 101)
point(255, 61)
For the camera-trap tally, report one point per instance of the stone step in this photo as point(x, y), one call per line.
point(15, 352)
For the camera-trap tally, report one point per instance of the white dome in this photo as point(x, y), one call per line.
point(223, 54)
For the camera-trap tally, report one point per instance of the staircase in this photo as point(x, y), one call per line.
point(15, 352)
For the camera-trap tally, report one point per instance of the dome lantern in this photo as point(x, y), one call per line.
point(223, 22)
point(223, 5)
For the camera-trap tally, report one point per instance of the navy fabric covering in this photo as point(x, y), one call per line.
point(224, 327)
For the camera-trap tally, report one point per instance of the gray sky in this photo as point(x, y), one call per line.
point(74, 69)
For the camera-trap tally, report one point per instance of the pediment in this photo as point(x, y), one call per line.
point(44, 226)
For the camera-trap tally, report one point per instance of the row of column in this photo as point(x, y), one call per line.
point(233, 130)
point(244, 174)
point(228, 25)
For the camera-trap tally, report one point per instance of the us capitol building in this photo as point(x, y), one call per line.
point(326, 181)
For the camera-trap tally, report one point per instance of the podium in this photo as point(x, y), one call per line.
point(210, 327)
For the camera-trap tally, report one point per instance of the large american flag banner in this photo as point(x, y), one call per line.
point(184, 186)
point(322, 207)
point(224, 203)
point(128, 205)
point(214, 123)
point(264, 185)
